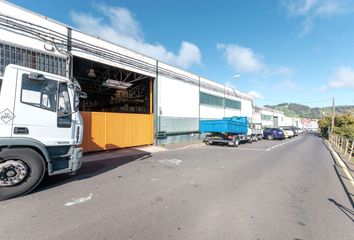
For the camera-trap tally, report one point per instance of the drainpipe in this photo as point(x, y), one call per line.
point(156, 106)
point(69, 60)
point(199, 107)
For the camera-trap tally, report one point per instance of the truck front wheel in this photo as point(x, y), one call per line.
point(21, 170)
point(236, 142)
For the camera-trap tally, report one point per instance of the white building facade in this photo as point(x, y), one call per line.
point(154, 102)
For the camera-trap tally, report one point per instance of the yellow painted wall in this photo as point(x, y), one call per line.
point(103, 130)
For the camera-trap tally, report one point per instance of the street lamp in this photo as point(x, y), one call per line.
point(228, 85)
point(228, 80)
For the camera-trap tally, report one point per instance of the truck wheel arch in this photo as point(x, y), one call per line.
point(12, 143)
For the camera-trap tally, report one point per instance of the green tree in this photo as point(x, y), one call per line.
point(343, 125)
point(325, 125)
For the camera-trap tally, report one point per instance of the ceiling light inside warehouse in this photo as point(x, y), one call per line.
point(110, 83)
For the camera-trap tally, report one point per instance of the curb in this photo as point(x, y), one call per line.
point(341, 162)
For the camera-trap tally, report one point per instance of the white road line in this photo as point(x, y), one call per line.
point(171, 161)
point(252, 149)
point(281, 144)
point(233, 148)
point(78, 200)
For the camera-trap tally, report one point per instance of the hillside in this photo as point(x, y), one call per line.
point(298, 110)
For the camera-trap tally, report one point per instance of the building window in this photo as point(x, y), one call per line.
point(267, 117)
point(211, 100)
point(32, 59)
point(207, 99)
point(233, 104)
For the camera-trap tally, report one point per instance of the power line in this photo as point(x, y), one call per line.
point(302, 102)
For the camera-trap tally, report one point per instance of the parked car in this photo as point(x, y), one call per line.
point(288, 131)
point(296, 130)
point(273, 133)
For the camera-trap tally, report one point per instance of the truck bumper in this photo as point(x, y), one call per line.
point(76, 159)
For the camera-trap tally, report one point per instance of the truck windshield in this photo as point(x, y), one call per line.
point(39, 94)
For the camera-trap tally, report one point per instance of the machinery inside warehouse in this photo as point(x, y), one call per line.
point(112, 89)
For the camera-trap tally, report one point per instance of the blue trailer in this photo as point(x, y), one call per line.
point(230, 131)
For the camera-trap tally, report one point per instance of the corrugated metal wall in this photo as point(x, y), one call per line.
point(104, 130)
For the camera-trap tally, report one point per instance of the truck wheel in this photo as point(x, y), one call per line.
point(21, 170)
point(236, 142)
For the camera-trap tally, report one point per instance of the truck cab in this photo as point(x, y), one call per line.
point(40, 128)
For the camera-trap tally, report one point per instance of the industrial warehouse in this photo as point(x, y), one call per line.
point(132, 99)
point(181, 120)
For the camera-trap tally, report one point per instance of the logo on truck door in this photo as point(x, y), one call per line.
point(6, 116)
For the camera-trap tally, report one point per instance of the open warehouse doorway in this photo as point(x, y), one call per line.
point(118, 110)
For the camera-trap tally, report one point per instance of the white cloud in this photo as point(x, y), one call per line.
point(245, 60)
point(311, 10)
point(241, 59)
point(283, 70)
point(299, 7)
point(342, 78)
point(307, 26)
point(289, 85)
point(321, 89)
point(329, 8)
point(118, 25)
point(255, 94)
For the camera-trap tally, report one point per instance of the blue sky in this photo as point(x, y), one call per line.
point(298, 51)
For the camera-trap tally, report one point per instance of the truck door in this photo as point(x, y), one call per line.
point(42, 110)
point(7, 96)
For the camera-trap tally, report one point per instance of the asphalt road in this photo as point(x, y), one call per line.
point(265, 190)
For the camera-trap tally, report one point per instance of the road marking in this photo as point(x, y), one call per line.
point(251, 149)
point(281, 144)
point(233, 148)
point(210, 168)
point(171, 161)
point(78, 200)
point(342, 164)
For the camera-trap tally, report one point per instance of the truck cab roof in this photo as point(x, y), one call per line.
point(49, 75)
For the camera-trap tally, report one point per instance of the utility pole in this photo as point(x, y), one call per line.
point(333, 111)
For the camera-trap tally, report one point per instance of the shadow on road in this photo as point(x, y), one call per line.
point(95, 164)
point(348, 212)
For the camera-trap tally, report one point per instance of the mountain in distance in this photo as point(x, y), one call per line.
point(298, 110)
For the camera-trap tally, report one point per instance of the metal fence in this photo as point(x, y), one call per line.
point(344, 145)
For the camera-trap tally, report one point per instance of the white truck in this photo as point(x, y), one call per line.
point(256, 130)
point(40, 128)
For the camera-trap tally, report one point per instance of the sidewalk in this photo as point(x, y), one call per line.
point(344, 169)
point(140, 151)
point(349, 164)
point(183, 145)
